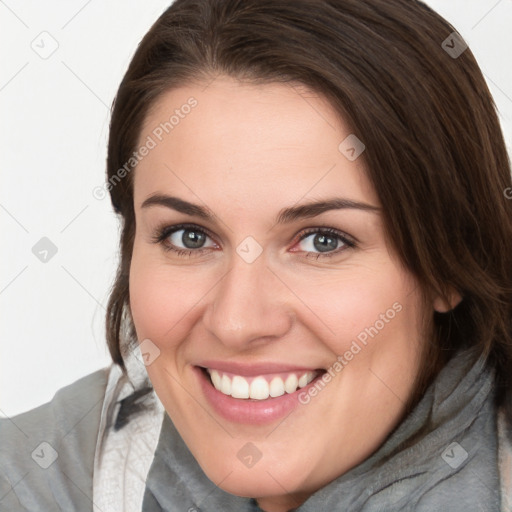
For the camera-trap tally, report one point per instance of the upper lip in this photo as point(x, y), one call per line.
point(254, 369)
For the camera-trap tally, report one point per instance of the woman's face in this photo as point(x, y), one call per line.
point(264, 293)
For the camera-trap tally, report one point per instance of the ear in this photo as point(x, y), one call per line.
point(443, 304)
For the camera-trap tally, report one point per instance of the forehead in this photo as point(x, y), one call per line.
point(241, 140)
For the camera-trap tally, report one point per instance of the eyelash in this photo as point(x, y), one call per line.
point(161, 234)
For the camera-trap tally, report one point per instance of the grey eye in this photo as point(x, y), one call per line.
point(190, 238)
point(321, 242)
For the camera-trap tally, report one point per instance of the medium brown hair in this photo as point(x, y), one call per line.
point(435, 153)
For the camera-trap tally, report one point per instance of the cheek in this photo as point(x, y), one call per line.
point(161, 299)
point(364, 304)
point(349, 305)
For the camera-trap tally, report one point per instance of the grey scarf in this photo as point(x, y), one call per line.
point(452, 466)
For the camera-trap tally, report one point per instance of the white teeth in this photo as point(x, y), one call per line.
point(291, 383)
point(216, 379)
point(225, 385)
point(258, 388)
point(276, 387)
point(239, 387)
point(303, 381)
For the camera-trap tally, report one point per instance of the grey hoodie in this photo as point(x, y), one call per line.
point(451, 466)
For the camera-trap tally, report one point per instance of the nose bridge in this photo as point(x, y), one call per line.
point(245, 305)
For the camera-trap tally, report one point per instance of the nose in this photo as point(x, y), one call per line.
point(250, 306)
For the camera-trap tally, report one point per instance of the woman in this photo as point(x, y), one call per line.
point(313, 304)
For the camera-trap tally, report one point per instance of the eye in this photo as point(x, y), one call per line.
point(183, 239)
point(326, 241)
point(189, 240)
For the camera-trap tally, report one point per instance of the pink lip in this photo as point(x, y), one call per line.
point(252, 370)
point(252, 412)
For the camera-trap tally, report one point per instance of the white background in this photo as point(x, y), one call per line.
point(54, 128)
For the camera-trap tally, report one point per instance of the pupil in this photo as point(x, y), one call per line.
point(325, 242)
point(192, 239)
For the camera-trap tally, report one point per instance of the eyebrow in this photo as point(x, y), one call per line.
point(286, 215)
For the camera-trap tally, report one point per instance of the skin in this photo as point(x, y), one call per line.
point(245, 152)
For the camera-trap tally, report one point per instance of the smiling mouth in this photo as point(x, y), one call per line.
point(260, 387)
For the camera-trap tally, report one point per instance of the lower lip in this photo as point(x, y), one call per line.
point(254, 412)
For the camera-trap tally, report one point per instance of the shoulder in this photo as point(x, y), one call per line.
point(47, 453)
point(67, 406)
